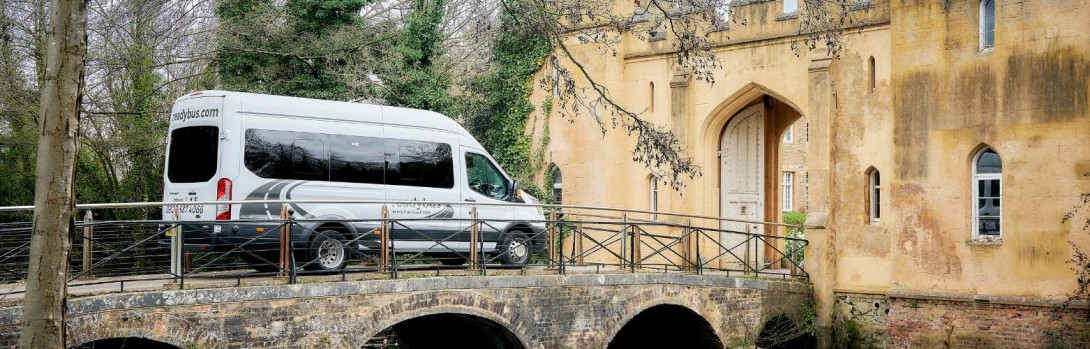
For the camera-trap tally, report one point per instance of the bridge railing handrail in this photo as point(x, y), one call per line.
point(574, 235)
point(561, 207)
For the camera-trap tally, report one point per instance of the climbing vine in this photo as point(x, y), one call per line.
point(501, 124)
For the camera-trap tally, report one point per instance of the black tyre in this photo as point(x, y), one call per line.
point(451, 260)
point(328, 251)
point(270, 264)
point(515, 249)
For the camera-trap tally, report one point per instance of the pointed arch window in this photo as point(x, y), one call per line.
point(987, 195)
point(987, 25)
point(557, 184)
point(874, 190)
point(653, 197)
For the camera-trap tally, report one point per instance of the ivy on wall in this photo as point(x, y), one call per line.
point(501, 126)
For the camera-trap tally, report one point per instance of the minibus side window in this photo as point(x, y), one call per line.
point(419, 164)
point(355, 159)
point(308, 160)
point(484, 177)
point(286, 155)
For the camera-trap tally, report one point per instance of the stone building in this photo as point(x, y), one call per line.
point(937, 112)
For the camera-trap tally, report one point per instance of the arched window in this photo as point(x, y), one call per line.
point(556, 77)
point(557, 184)
point(987, 194)
point(651, 97)
point(653, 196)
point(874, 195)
point(871, 82)
point(987, 24)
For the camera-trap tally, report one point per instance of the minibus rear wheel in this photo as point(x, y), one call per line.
point(516, 248)
point(328, 251)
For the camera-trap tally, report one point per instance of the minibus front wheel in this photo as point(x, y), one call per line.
point(328, 251)
point(516, 248)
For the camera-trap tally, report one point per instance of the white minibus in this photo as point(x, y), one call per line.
point(241, 146)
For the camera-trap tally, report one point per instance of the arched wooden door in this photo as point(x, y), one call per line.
point(741, 196)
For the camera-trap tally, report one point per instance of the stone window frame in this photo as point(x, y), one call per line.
point(976, 183)
point(874, 196)
point(787, 10)
point(789, 134)
point(983, 29)
point(653, 196)
point(557, 184)
point(556, 77)
point(787, 195)
point(872, 78)
point(651, 97)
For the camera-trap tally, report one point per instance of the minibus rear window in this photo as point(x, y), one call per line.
point(193, 154)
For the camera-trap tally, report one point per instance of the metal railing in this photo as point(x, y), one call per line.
point(108, 254)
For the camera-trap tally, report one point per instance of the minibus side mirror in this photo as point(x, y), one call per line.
point(516, 191)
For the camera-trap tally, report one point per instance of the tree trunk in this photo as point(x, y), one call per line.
point(54, 196)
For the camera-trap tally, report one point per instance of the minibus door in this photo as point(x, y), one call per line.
point(485, 184)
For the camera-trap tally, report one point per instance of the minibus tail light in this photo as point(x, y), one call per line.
point(223, 193)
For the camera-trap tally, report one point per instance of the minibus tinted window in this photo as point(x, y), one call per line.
point(419, 163)
point(286, 155)
point(356, 159)
point(194, 152)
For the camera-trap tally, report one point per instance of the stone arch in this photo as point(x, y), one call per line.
point(125, 343)
point(158, 327)
point(780, 113)
point(634, 305)
point(445, 302)
point(645, 319)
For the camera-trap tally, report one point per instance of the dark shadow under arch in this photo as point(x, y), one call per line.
point(780, 332)
point(125, 343)
point(666, 326)
point(445, 330)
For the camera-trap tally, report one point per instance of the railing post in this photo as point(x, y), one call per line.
point(88, 244)
point(699, 261)
point(384, 240)
point(291, 248)
point(474, 236)
point(635, 232)
point(624, 238)
point(560, 248)
point(578, 245)
point(285, 230)
point(554, 238)
point(687, 245)
point(746, 268)
point(176, 253)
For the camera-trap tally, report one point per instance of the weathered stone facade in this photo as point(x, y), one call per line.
point(913, 96)
point(578, 311)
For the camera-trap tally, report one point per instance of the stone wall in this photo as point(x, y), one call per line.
point(583, 311)
point(957, 321)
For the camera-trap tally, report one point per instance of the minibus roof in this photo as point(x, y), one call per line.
point(333, 110)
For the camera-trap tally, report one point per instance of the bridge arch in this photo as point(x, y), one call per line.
point(451, 305)
point(666, 325)
point(170, 331)
point(125, 343)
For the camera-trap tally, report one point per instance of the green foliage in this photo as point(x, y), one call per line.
point(795, 249)
point(419, 81)
point(501, 124)
point(305, 48)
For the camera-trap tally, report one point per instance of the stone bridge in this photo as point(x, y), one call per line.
point(548, 311)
